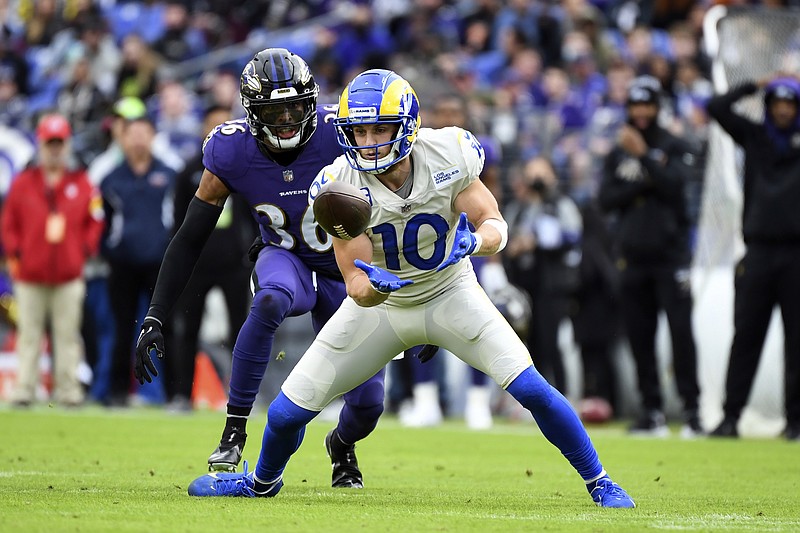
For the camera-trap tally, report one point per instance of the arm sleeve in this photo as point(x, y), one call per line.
point(184, 192)
point(720, 108)
point(182, 255)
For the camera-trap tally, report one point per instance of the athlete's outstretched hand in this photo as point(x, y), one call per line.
point(150, 338)
point(381, 280)
point(465, 243)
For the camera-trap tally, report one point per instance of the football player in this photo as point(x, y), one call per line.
point(408, 283)
point(270, 158)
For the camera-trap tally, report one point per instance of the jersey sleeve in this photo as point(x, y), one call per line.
point(472, 153)
point(220, 154)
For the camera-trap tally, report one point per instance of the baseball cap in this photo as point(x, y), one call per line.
point(644, 90)
point(130, 108)
point(782, 89)
point(53, 127)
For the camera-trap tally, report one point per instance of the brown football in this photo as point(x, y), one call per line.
point(342, 210)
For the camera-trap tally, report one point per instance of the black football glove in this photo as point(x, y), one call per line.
point(150, 338)
point(256, 248)
point(427, 352)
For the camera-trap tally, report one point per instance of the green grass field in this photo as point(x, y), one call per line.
point(97, 470)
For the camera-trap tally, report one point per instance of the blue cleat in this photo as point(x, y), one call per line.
point(606, 493)
point(241, 485)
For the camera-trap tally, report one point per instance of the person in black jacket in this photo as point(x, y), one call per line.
point(644, 182)
point(768, 274)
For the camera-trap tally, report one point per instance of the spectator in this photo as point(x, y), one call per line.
point(767, 275)
point(97, 47)
point(51, 222)
point(137, 74)
point(13, 104)
point(12, 64)
point(644, 184)
point(138, 200)
point(126, 109)
point(42, 22)
point(177, 120)
point(180, 41)
point(223, 263)
point(82, 102)
point(542, 259)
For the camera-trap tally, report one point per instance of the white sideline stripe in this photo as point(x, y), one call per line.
point(32, 473)
point(715, 521)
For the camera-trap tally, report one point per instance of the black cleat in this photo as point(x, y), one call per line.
point(346, 474)
point(229, 452)
point(726, 428)
point(792, 432)
point(650, 424)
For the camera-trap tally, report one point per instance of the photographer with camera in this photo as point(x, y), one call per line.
point(542, 257)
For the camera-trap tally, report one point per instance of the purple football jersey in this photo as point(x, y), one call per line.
point(277, 194)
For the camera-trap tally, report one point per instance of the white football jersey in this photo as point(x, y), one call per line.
point(412, 236)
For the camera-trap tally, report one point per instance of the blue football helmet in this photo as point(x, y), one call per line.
point(377, 96)
point(279, 96)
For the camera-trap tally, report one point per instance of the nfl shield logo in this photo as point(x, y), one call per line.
point(288, 175)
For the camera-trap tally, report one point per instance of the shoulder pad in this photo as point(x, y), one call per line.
point(224, 146)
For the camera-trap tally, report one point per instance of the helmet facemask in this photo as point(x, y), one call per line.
point(282, 124)
point(377, 97)
point(400, 145)
point(279, 96)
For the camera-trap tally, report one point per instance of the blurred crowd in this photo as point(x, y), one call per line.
point(542, 83)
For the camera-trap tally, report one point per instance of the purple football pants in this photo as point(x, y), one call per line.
point(285, 287)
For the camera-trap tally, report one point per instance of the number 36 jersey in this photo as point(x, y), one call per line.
point(412, 236)
point(278, 194)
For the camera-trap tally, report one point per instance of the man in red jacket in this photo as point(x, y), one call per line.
point(51, 222)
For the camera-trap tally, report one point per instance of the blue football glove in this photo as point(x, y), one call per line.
point(381, 280)
point(464, 244)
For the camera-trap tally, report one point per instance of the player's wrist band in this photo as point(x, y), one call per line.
point(478, 243)
point(502, 228)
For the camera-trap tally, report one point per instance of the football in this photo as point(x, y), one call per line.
point(595, 410)
point(342, 210)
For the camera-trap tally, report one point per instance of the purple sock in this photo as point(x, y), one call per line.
point(254, 344)
point(362, 408)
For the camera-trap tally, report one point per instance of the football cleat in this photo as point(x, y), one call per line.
point(606, 493)
point(726, 429)
point(650, 424)
point(229, 452)
point(346, 474)
point(241, 485)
